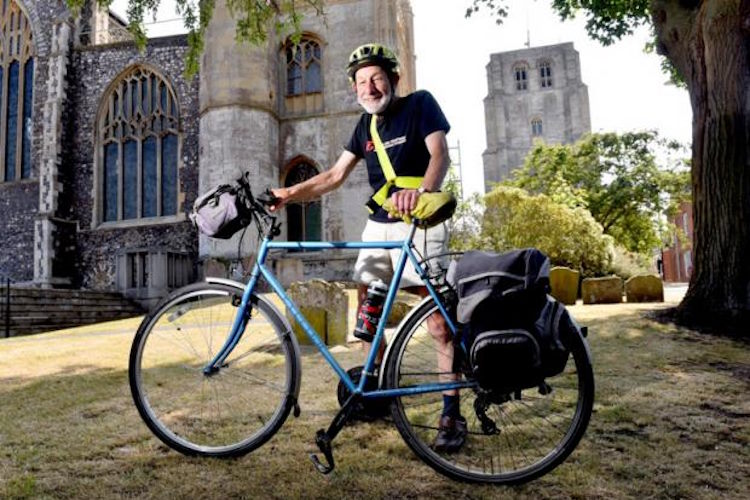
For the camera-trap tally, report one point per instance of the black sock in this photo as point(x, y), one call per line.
point(451, 406)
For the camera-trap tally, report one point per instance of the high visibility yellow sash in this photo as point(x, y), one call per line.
point(404, 182)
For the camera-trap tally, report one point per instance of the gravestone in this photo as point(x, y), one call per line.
point(563, 282)
point(644, 288)
point(325, 306)
point(607, 290)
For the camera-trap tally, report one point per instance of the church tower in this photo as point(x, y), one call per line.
point(534, 94)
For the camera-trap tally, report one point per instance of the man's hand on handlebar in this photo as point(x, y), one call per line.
point(404, 202)
point(280, 197)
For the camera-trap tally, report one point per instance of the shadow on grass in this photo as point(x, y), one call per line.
point(671, 420)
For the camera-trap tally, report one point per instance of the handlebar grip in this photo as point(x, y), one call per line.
point(267, 198)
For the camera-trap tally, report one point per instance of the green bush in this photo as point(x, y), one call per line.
point(569, 236)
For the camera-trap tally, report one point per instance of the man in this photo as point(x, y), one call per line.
point(412, 132)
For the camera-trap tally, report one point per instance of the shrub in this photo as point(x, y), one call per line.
point(569, 236)
point(628, 264)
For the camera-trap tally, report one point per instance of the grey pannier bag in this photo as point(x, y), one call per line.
point(512, 327)
point(221, 212)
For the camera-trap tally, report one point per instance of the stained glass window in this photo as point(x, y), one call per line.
point(16, 93)
point(138, 141)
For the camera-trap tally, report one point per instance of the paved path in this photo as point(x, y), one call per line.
point(674, 292)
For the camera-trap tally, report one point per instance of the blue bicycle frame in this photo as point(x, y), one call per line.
point(260, 269)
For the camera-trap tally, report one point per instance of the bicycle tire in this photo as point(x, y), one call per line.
point(536, 432)
point(232, 411)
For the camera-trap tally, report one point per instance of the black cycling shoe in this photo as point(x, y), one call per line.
point(451, 434)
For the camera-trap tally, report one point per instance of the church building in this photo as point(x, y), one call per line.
point(103, 149)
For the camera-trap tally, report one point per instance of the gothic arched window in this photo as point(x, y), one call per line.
point(303, 219)
point(303, 67)
point(138, 147)
point(545, 74)
point(536, 127)
point(302, 77)
point(16, 92)
point(520, 72)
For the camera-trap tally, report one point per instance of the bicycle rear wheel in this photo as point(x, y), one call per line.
point(536, 431)
point(231, 411)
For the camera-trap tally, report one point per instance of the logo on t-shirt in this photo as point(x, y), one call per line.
point(369, 147)
point(394, 142)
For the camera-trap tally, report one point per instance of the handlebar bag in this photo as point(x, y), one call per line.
point(221, 212)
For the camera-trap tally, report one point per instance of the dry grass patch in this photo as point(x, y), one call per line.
point(671, 420)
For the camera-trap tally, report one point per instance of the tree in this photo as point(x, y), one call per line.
point(707, 44)
point(617, 177)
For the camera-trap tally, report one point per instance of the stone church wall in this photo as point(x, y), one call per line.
point(19, 200)
point(94, 68)
point(18, 206)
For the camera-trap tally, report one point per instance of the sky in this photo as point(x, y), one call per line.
point(627, 89)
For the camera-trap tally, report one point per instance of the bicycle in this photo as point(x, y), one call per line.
point(214, 371)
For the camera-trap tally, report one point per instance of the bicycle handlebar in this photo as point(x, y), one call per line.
point(257, 206)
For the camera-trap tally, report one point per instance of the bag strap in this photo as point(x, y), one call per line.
point(391, 179)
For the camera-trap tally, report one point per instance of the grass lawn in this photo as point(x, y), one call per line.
point(671, 420)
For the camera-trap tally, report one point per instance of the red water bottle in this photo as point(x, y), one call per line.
point(370, 311)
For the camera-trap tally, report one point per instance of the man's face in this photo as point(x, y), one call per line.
point(373, 89)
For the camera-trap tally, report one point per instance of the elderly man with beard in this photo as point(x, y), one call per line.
point(412, 130)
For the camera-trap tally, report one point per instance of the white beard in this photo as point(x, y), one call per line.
point(375, 108)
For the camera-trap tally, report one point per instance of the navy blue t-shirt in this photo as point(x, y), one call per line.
point(403, 129)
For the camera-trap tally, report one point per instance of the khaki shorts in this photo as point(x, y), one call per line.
point(379, 263)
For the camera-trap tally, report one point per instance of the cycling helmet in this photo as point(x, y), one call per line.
point(372, 54)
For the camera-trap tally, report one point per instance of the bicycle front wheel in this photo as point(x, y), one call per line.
point(533, 433)
point(232, 410)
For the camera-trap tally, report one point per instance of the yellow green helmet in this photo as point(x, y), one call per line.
point(372, 54)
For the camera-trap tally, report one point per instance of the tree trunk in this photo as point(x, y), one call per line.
point(709, 44)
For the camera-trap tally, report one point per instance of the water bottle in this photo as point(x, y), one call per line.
point(370, 311)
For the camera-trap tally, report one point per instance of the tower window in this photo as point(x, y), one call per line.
point(303, 68)
point(520, 72)
point(536, 127)
point(545, 74)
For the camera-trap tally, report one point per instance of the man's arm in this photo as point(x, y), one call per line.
point(437, 145)
point(318, 185)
